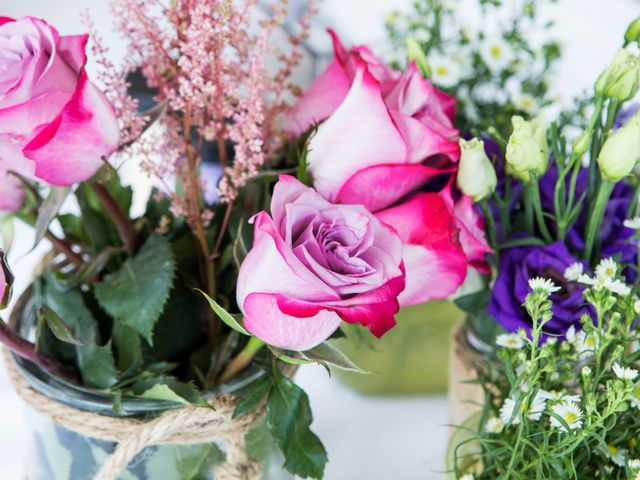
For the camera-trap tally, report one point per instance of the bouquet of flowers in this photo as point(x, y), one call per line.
point(555, 332)
point(336, 210)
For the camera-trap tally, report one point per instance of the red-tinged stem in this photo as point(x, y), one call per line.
point(28, 351)
point(64, 248)
point(126, 230)
point(244, 358)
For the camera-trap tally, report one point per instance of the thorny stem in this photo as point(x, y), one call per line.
point(126, 230)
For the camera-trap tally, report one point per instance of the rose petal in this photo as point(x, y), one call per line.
point(423, 141)
point(438, 266)
point(360, 133)
point(272, 267)
point(266, 321)
point(72, 49)
point(22, 119)
point(12, 160)
point(4, 20)
point(70, 148)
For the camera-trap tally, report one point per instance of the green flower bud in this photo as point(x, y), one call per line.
point(476, 175)
point(621, 151)
point(527, 150)
point(621, 79)
point(415, 53)
point(633, 32)
point(582, 143)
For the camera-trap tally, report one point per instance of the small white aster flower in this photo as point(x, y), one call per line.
point(585, 343)
point(624, 373)
point(445, 71)
point(633, 223)
point(586, 280)
point(634, 464)
point(467, 476)
point(538, 406)
point(570, 334)
point(617, 455)
point(539, 284)
point(525, 102)
point(573, 271)
point(510, 340)
point(607, 268)
point(496, 53)
point(617, 286)
point(494, 425)
point(570, 412)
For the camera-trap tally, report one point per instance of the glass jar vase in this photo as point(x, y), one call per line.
point(59, 453)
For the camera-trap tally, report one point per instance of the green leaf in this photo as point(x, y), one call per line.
point(326, 353)
point(97, 226)
point(169, 389)
point(136, 294)
point(225, 316)
point(48, 211)
point(303, 173)
point(186, 462)
point(91, 269)
point(250, 397)
point(127, 344)
point(95, 362)
point(289, 418)
point(57, 326)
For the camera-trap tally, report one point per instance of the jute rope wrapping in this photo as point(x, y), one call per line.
point(188, 425)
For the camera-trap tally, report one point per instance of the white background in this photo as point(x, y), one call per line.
point(367, 438)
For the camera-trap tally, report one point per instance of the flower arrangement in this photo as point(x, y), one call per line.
point(350, 192)
point(562, 407)
point(484, 54)
point(557, 325)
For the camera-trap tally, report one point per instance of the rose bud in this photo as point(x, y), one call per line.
point(476, 175)
point(527, 150)
point(621, 151)
point(621, 79)
point(314, 264)
point(633, 32)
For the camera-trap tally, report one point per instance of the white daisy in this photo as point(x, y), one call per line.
point(618, 286)
point(539, 284)
point(584, 343)
point(510, 340)
point(573, 271)
point(624, 373)
point(634, 464)
point(570, 334)
point(445, 71)
point(494, 425)
point(496, 53)
point(556, 396)
point(509, 406)
point(570, 412)
point(607, 268)
point(633, 223)
point(617, 455)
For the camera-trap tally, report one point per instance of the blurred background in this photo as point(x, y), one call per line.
point(374, 437)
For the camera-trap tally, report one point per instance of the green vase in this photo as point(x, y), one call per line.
point(412, 358)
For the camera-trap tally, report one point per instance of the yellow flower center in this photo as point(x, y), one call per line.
point(612, 450)
point(571, 417)
point(496, 51)
point(441, 70)
point(636, 392)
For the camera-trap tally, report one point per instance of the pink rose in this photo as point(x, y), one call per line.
point(385, 140)
point(55, 125)
point(314, 264)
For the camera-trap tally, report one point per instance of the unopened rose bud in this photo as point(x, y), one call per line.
point(416, 54)
point(527, 150)
point(476, 175)
point(621, 79)
point(621, 151)
point(633, 32)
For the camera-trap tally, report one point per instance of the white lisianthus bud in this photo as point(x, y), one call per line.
point(527, 150)
point(621, 151)
point(621, 79)
point(582, 143)
point(633, 32)
point(476, 175)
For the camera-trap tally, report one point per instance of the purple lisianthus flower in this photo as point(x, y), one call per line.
point(517, 266)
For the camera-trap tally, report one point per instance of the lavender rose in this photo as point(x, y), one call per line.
point(55, 125)
point(314, 264)
point(517, 266)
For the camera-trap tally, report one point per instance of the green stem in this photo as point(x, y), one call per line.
point(595, 216)
point(126, 230)
point(490, 228)
point(595, 142)
point(244, 358)
point(534, 193)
